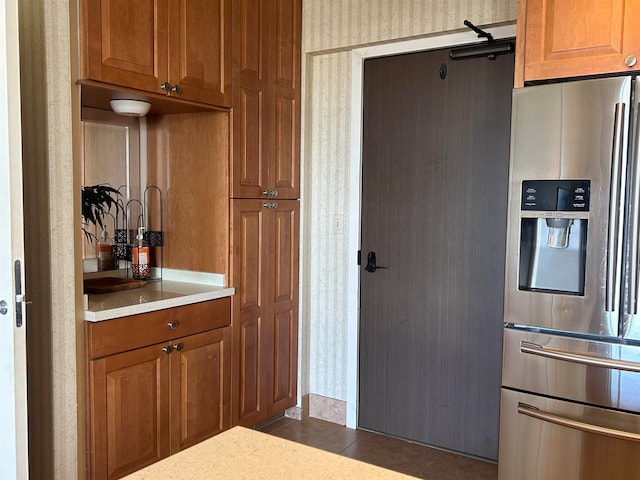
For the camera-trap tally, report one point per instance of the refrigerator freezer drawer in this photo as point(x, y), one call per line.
point(546, 439)
point(598, 373)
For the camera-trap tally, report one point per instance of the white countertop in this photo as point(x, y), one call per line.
point(155, 295)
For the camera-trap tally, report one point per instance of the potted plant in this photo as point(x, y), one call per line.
point(97, 201)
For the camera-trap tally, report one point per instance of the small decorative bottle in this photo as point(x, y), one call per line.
point(104, 252)
point(140, 268)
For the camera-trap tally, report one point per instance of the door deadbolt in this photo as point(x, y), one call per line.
point(3, 307)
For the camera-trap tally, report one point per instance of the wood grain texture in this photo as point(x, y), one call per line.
point(200, 387)
point(283, 317)
point(435, 164)
point(265, 308)
point(190, 165)
point(250, 259)
point(145, 403)
point(579, 37)
point(142, 45)
point(521, 44)
point(266, 78)
point(200, 50)
point(284, 123)
point(125, 42)
point(130, 385)
point(127, 333)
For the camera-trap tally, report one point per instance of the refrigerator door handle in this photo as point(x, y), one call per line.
point(635, 224)
point(592, 360)
point(614, 239)
point(534, 412)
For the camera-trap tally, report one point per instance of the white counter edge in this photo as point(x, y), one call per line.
point(98, 316)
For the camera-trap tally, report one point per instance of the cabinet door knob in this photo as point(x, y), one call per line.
point(178, 346)
point(166, 86)
point(630, 61)
point(177, 89)
point(173, 325)
point(168, 349)
point(266, 193)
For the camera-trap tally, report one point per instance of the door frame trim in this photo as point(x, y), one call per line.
point(358, 56)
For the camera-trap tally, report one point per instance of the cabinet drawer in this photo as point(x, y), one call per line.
point(122, 334)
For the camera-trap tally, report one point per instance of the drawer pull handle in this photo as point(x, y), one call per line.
point(168, 349)
point(534, 412)
point(178, 346)
point(173, 325)
point(592, 360)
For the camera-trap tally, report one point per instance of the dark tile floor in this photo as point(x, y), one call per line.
point(392, 453)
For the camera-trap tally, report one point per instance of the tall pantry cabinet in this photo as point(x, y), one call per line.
point(264, 206)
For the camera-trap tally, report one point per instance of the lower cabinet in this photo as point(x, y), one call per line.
point(265, 239)
point(154, 400)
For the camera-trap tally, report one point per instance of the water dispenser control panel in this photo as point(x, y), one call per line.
point(556, 195)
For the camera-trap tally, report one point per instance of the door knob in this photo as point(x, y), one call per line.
point(372, 263)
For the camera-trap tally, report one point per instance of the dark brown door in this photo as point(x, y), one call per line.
point(435, 164)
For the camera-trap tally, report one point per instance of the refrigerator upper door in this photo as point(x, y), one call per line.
point(570, 131)
point(631, 292)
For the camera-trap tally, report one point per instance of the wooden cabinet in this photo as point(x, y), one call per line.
point(570, 38)
point(157, 383)
point(179, 48)
point(265, 215)
point(266, 98)
point(265, 240)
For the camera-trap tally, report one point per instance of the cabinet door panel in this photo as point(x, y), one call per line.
point(285, 361)
point(126, 42)
point(579, 37)
point(125, 387)
point(200, 48)
point(284, 113)
point(201, 390)
point(249, 152)
point(250, 41)
point(250, 93)
point(286, 154)
point(287, 15)
point(250, 259)
point(283, 330)
point(250, 365)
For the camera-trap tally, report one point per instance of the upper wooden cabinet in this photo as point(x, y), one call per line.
point(179, 48)
point(570, 38)
point(266, 98)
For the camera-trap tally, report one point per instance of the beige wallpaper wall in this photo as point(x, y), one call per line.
point(51, 231)
point(331, 29)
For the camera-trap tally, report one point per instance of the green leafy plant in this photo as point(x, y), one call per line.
point(97, 201)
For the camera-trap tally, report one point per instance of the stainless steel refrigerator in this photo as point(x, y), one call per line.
point(570, 399)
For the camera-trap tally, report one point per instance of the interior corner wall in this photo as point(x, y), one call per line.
point(326, 154)
point(51, 228)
